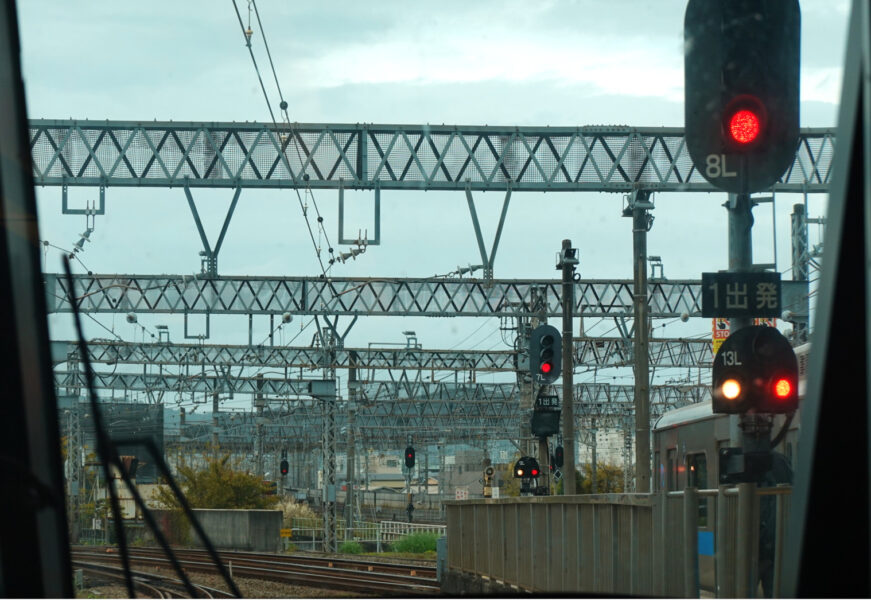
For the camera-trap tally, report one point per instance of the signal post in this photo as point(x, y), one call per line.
point(741, 124)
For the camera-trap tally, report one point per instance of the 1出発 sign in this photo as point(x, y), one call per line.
point(741, 295)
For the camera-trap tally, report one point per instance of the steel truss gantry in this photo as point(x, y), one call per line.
point(370, 156)
point(420, 400)
point(383, 296)
point(588, 351)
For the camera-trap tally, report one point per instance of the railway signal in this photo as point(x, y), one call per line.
point(545, 354)
point(284, 467)
point(755, 370)
point(741, 70)
point(409, 457)
point(526, 466)
point(558, 457)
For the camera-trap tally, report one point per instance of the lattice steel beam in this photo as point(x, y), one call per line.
point(414, 157)
point(617, 352)
point(417, 398)
point(593, 352)
point(107, 351)
point(365, 296)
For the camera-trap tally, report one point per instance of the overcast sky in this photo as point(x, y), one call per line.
point(498, 63)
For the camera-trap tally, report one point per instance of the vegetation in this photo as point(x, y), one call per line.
point(291, 509)
point(609, 479)
point(351, 547)
point(218, 485)
point(416, 543)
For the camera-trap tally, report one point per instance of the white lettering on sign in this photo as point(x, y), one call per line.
point(766, 295)
point(730, 359)
point(715, 167)
point(736, 295)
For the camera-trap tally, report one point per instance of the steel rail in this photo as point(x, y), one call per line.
point(300, 574)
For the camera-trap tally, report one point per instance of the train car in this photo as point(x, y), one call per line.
point(686, 444)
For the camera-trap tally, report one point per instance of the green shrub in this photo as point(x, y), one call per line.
point(416, 543)
point(351, 548)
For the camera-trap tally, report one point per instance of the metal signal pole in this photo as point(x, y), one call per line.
point(568, 260)
point(642, 220)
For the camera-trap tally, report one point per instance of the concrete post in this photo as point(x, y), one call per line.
point(691, 544)
point(744, 541)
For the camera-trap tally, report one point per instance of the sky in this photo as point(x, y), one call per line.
point(566, 62)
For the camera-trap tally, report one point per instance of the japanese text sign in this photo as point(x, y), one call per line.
point(741, 295)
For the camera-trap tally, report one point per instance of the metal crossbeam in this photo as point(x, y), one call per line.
point(364, 296)
point(390, 409)
point(617, 352)
point(415, 398)
point(593, 352)
point(111, 352)
point(361, 156)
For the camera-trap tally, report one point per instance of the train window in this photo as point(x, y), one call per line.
point(670, 466)
point(697, 471)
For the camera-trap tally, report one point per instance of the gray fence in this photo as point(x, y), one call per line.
point(619, 544)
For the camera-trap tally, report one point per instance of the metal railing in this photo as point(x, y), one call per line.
point(307, 534)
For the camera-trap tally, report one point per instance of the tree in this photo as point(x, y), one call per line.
point(218, 485)
point(609, 479)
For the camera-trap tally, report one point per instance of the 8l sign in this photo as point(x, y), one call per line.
point(741, 82)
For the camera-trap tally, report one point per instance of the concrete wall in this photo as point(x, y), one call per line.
point(254, 530)
point(600, 544)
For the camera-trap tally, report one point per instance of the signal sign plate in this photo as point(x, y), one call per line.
point(741, 295)
point(547, 403)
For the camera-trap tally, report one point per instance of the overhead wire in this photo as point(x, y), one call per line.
point(246, 33)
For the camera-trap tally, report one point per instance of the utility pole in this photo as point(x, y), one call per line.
point(568, 260)
point(351, 445)
point(642, 221)
point(593, 465)
point(426, 475)
point(258, 427)
point(800, 272)
point(215, 425)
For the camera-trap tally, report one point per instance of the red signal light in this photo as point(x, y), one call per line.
point(782, 388)
point(546, 367)
point(534, 472)
point(744, 126)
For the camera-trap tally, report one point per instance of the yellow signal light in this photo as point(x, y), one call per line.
point(731, 389)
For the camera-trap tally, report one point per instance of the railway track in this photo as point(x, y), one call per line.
point(150, 585)
point(313, 571)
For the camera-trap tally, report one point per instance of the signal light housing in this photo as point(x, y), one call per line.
point(284, 467)
point(409, 457)
point(558, 457)
point(526, 466)
point(741, 85)
point(545, 354)
point(756, 371)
